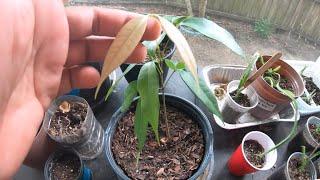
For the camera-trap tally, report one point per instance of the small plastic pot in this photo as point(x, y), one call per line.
point(91, 141)
point(271, 101)
point(181, 104)
point(238, 163)
point(231, 110)
point(84, 173)
point(304, 137)
point(283, 171)
point(132, 75)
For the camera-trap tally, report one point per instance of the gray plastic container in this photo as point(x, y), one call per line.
point(91, 142)
point(185, 106)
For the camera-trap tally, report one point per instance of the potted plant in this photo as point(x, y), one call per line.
point(143, 133)
point(239, 100)
point(298, 166)
point(70, 122)
point(309, 136)
point(166, 47)
point(253, 154)
point(66, 165)
point(270, 86)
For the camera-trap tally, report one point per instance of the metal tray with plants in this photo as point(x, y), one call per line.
point(309, 102)
point(217, 78)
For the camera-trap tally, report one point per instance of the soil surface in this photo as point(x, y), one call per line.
point(315, 134)
point(252, 150)
point(208, 52)
point(65, 167)
point(294, 171)
point(243, 99)
point(68, 119)
point(178, 158)
point(310, 86)
point(284, 82)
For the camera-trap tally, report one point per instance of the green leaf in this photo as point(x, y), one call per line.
point(170, 64)
point(115, 84)
point(140, 126)
point(213, 31)
point(180, 66)
point(176, 20)
point(202, 92)
point(129, 93)
point(148, 89)
point(247, 71)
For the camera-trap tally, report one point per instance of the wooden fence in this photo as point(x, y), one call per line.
point(299, 16)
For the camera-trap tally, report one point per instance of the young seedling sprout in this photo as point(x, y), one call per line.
point(306, 158)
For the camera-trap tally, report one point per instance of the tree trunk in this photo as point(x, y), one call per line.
point(189, 7)
point(202, 8)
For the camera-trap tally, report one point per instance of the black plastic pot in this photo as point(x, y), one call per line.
point(304, 137)
point(183, 105)
point(85, 173)
point(88, 94)
point(132, 75)
point(283, 174)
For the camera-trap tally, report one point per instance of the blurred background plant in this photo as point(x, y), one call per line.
point(263, 28)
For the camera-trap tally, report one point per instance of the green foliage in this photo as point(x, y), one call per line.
point(175, 66)
point(202, 92)
point(129, 93)
point(115, 84)
point(307, 158)
point(245, 75)
point(263, 28)
point(148, 90)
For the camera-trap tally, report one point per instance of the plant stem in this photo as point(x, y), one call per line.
point(164, 103)
point(166, 82)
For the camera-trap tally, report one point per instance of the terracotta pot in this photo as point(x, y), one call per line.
point(231, 110)
point(238, 163)
point(40, 150)
point(271, 101)
point(283, 171)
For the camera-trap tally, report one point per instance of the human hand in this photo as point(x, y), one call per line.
point(39, 43)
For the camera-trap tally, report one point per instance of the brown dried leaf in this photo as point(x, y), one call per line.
point(64, 106)
point(182, 45)
point(122, 46)
point(160, 172)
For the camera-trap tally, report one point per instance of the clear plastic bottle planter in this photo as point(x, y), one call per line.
point(91, 142)
point(84, 173)
point(283, 171)
point(238, 163)
point(232, 111)
point(304, 137)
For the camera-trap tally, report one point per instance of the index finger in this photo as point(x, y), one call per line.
point(86, 21)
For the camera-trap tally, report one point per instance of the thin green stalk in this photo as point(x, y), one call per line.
point(164, 103)
point(166, 82)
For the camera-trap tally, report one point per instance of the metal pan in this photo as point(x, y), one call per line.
point(217, 75)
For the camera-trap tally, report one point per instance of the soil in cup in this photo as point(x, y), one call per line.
point(310, 86)
point(68, 119)
point(315, 134)
point(178, 158)
point(242, 100)
point(253, 151)
point(65, 167)
point(295, 172)
point(284, 82)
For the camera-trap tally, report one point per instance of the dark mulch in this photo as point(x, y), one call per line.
point(65, 167)
point(310, 86)
point(295, 172)
point(178, 158)
point(68, 119)
point(253, 151)
point(315, 134)
point(243, 99)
